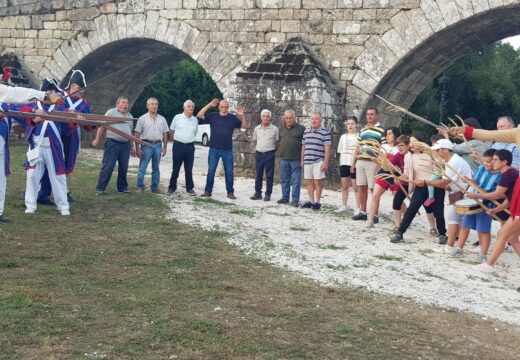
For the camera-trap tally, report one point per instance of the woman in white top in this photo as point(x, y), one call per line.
point(346, 146)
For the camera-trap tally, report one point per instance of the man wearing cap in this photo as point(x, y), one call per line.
point(222, 125)
point(183, 131)
point(117, 148)
point(152, 128)
point(456, 170)
point(266, 141)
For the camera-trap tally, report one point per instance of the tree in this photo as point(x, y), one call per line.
point(173, 86)
point(484, 85)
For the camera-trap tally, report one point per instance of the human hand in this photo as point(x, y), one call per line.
point(214, 102)
point(240, 111)
point(163, 151)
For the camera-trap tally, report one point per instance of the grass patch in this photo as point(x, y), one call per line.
point(243, 212)
point(332, 247)
point(337, 267)
point(483, 279)
point(118, 278)
point(389, 257)
point(299, 228)
point(212, 202)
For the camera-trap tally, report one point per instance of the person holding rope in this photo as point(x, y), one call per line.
point(417, 170)
point(510, 230)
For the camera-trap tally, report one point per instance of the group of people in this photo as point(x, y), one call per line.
point(372, 161)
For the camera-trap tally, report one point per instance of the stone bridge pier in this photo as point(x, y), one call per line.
point(330, 56)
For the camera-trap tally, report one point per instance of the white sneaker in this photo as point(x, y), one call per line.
point(30, 211)
point(65, 212)
point(484, 267)
point(341, 209)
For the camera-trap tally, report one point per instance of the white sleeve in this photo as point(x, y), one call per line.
point(10, 94)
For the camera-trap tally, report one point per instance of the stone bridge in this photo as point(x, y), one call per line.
point(326, 55)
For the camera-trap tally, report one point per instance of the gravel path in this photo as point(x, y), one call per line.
point(336, 251)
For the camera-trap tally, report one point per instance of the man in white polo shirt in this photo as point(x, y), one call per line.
point(266, 140)
point(152, 128)
point(183, 130)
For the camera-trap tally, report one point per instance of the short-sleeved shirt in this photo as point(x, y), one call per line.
point(486, 179)
point(370, 137)
point(511, 147)
point(222, 129)
point(462, 168)
point(266, 137)
point(291, 142)
point(508, 180)
point(346, 147)
point(126, 127)
point(184, 128)
point(151, 129)
point(315, 142)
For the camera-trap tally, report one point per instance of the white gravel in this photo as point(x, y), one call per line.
point(336, 251)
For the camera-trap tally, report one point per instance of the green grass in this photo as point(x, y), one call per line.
point(212, 202)
point(299, 228)
point(337, 267)
point(242, 212)
point(333, 247)
point(119, 278)
point(389, 257)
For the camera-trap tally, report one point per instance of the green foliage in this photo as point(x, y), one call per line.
point(173, 86)
point(483, 85)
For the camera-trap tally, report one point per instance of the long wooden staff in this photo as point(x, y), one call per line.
point(427, 150)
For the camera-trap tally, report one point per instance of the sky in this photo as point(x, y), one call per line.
point(514, 41)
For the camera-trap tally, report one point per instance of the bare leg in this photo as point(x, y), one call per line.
point(319, 188)
point(344, 190)
point(363, 197)
point(310, 190)
point(431, 221)
point(453, 232)
point(508, 233)
point(374, 203)
point(356, 193)
point(484, 240)
point(463, 236)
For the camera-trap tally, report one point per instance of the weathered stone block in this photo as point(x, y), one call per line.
point(154, 4)
point(321, 4)
point(232, 4)
point(346, 27)
point(350, 4)
point(131, 6)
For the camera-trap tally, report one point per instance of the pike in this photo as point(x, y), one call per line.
point(411, 114)
point(67, 119)
point(107, 76)
point(95, 117)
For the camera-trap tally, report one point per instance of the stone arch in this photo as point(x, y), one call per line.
point(399, 64)
point(119, 40)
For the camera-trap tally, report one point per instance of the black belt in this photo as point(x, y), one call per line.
point(265, 152)
point(120, 142)
point(152, 141)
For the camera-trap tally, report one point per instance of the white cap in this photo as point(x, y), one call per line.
point(443, 144)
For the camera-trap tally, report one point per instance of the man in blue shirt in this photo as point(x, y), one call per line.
point(222, 125)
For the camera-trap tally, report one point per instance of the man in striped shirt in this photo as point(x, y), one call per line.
point(315, 159)
point(364, 164)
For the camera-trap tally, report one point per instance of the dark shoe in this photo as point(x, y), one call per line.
point(316, 206)
point(5, 219)
point(46, 201)
point(231, 196)
point(256, 196)
point(443, 239)
point(397, 238)
point(360, 216)
point(307, 205)
point(170, 191)
point(125, 191)
point(191, 193)
point(376, 219)
point(295, 204)
point(283, 201)
point(70, 199)
point(206, 194)
point(267, 198)
point(100, 192)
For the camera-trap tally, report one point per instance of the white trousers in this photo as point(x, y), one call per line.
point(58, 182)
point(10, 94)
point(3, 183)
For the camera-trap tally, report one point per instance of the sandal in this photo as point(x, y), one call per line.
point(434, 232)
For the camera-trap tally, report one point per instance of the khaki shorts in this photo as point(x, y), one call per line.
point(366, 173)
point(313, 171)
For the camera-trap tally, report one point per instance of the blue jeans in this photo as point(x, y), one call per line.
point(291, 174)
point(227, 159)
point(119, 152)
point(150, 153)
point(264, 162)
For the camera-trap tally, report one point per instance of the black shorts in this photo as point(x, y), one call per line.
point(344, 171)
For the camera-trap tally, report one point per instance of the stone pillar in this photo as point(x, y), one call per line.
point(289, 77)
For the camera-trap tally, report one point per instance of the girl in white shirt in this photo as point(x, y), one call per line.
point(346, 146)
